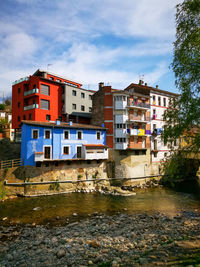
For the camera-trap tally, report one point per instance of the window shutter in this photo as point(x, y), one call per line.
point(44, 104)
point(44, 89)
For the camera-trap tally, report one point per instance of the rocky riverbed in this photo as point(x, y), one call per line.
point(101, 240)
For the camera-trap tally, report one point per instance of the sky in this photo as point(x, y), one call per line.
point(88, 41)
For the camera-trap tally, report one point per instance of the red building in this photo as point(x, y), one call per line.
point(41, 96)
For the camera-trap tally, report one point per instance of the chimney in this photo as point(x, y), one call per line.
point(156, 86)
point(101, 85)
point(141, 82)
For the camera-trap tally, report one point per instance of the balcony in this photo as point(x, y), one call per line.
point(121, 146)
point(30, 92)
point(120, 104)
point(139, 132)
point(139, 118)
point(120, 133)
point(31, 107)
point(94, 152)
point(137, 105)
point(21, 80)
point(121, 118)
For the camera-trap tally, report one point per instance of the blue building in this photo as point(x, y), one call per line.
point(56, 141)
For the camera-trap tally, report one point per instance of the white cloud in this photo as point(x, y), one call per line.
point(78, 38)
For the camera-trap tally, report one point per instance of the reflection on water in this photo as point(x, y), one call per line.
point(48, 208)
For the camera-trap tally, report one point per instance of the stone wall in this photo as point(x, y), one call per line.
point(76, 171)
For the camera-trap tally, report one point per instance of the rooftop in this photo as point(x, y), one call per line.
point(63, 125)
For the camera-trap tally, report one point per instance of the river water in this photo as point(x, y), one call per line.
point(62, 208)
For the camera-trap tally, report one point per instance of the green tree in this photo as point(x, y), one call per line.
point(184, 112)
point(2, 106)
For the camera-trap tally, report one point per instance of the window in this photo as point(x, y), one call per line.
point(18, 104)
point(51, 78)
point(45, 89)
point(82, 108)
point(47, 134)
point(74, 92)
point(90, 97)
point(66, 150)
point(24, 117)
point(154, 126)
point(60, 118)
point(165, 154)
point(18, 118)
point(159, 101)
point(66, 134)
point(164, 102)
point(154, 99)
point(82, 95)
point(90, 109)
point(35, 134)
point(79, 135)
point(98, 135)
point(48, 117)
point(155, 154)
point(47, 152)
point(58, 80)
point(30, 116)
point(44, 104)
point(74, 106)
point(19, 90)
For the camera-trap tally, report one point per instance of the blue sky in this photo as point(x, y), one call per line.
point(88, 41)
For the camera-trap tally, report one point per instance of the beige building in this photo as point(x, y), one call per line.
point(77, 101)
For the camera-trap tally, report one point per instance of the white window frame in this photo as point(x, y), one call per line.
point(45, 134)
point(63, 150)
point(38, 133)
point(64, 134)
point(77, 135)
point(44, 151)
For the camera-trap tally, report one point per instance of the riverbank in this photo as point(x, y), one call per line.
point(101, 240)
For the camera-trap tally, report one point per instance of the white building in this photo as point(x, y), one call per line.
point(159, 103)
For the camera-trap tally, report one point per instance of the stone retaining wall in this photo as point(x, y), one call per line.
point(76, 171)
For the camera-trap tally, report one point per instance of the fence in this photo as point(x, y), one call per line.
point(4, 164)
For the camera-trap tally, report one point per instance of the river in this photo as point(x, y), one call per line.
point(62, 208)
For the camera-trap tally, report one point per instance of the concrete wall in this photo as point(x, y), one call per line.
point(130, 165)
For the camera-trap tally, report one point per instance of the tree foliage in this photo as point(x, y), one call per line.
point(184, 112)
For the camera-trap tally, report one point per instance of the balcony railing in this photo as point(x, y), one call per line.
point(20, 80)
point(30, 92)
point(139, 132)
point(140, 105)
point(139, 118)
point(31, 107)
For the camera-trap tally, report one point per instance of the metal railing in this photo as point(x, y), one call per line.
point(31, 106)
point(4, 164)
point(33, 91)
point(20, 80)
point(140, 105)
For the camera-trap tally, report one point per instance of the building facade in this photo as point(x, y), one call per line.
point(134, 119)
point(46, 142)
point(45, 96)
